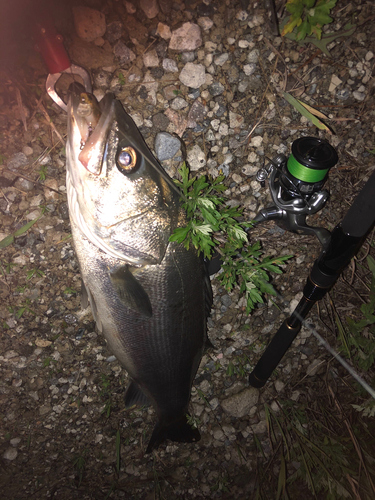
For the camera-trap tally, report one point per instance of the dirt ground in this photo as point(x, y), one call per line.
point(65, 433)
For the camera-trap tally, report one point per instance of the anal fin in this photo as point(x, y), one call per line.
point(134, 396)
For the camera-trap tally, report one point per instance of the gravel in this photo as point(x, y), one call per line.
point(211, 74)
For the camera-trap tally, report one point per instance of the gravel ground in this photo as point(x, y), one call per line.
point(218, 84)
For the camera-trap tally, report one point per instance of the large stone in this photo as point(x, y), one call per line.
point(240, 404)
point(90, 56)
point(150, 8)
point(186, 38)
point(89, 23)
point(193, 75)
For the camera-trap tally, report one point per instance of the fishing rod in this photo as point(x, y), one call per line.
point(338, 248)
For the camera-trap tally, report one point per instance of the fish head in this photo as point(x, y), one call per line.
point(119, 196)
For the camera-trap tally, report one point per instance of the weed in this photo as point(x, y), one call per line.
point(359, 345)
point(19, 311)
point(6, 267)
point(70, 291)
point(3, 159)
point(34, 273)
point(193, 421)
point(47, 361)
point(311, 446)
point(42, 173)
point(212, 226)
point(79, 463)
point(105, 394)
point(308, 17)
point(118, 451)
point(121, 79)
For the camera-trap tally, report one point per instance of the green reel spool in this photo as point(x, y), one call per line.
point(307, 167)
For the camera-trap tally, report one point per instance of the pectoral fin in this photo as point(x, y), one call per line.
point(84, 296)
point(130, 291)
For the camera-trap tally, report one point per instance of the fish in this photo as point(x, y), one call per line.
point(149, 297)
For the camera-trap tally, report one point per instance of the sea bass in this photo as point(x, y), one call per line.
point(149, 297)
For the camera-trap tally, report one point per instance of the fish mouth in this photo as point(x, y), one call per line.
point(89, 124)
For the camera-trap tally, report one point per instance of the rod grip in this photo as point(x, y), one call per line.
point(273, 354)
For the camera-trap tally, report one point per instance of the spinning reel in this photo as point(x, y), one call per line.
point(296, 186)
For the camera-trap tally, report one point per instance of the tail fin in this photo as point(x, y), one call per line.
point(180, 431)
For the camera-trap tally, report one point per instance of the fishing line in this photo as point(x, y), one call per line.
point(332, 351)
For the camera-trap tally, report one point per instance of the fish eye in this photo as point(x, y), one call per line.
point(127, 159)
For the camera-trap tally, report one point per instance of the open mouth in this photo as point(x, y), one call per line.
point(93, 121)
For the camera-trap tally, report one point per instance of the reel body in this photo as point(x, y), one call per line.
point(296, 186)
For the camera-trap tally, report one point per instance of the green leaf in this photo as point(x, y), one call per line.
point(303, 30)
point(298, 105)
point(8, 240)
point(371, 264)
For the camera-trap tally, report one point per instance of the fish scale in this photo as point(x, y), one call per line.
point(149, 297)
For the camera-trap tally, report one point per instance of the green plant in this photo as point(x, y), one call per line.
point(6, 267)
point(105, 394)
point(34, 272)
point(212, 225)
point(19, 311)
point(121, 78)
point(361, 341)
point(118, 451)
point(79, 463)
point(308, 17)
point(317, 446)
point(42, 172)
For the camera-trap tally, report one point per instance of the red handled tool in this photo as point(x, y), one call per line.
point(50, 45)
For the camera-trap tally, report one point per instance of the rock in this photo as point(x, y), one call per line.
point(216, 89)
point(187, 57)
point(130, 8)
point(249, 69)
point(166, 146)
point(150, 8)
point(150, 59)
point(164, 31)
point(166, 6)
point(102, 79)
point(160, 121)
point(170, 65)
point(24, 184)
point(151, 86)
point(221, 59)
point(253, 56)
point(205, 23)
point(89, 56)
point(193, 75)
point(89, 23)
point(186, 38)
point(235, 120)
point(240, 404)
point(359, 96)
point(178, 103)
point(10, 454)
point(114, 31)
point(249, 169)
point(49, 194)
point(123, 53)
point(27, 150)
point(196, 158)
point(196, 114)
point(18, 161)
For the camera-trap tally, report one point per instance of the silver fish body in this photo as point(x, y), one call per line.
point(149, 297)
